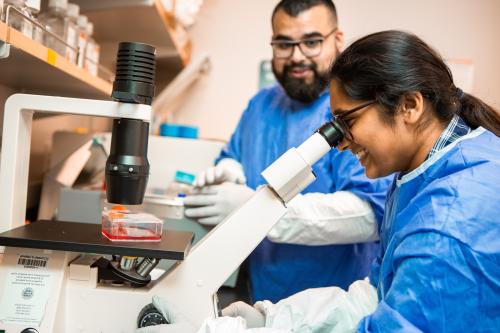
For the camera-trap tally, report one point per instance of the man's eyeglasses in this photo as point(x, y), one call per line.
point(343, 123)
point(310, 47)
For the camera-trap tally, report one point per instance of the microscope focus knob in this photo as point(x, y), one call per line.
point(150, 316)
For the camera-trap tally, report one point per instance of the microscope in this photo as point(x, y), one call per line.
point(48, 285)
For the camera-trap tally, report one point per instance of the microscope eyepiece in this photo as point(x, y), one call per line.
point(135, 73)
point(332, 132)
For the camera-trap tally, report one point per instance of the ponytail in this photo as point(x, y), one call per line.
point(477, 113)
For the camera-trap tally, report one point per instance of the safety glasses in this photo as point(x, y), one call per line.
point(343, 122)
point(310, 47)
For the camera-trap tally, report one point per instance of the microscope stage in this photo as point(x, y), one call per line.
point(87, 238)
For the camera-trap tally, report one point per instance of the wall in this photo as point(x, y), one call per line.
point(456, 28)
point(236, 34)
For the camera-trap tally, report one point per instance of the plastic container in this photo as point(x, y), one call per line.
point(184, 177)
point(179, 131)
point(188, 132)
point(164, 207)
point(92, 52)
point(71, 33)
point(82, 39)
point(121, 224)
point(174, 189)
point(32, 8)
point(37, 32)
point(16, 15)
point(181, 185)
point(55, 20)
point(169, 130)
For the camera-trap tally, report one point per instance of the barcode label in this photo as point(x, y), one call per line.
point(32, 262)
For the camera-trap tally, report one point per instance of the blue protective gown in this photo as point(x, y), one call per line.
point(271, 124)
point(440, 265)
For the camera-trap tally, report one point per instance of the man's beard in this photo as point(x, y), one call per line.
point(297, 88)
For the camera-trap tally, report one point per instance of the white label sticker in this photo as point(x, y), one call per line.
point(26, 293)
point(29, 261)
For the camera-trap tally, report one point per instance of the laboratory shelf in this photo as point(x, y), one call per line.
point(144, 21)
point(32, 68)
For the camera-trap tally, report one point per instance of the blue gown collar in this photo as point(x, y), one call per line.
point(437, 156)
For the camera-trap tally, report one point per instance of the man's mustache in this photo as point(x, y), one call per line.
point(300, 67)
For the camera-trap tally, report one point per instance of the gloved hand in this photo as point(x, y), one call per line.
point(227, 170)
point(214, 203)
point(178, 323)
point(253, 317)
point(328, 309)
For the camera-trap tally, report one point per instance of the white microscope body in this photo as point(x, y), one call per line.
point(72, 299)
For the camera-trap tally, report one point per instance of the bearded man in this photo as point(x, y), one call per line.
point(327, 236)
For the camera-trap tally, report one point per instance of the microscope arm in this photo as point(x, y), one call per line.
point(192, 284)
point(18, 118)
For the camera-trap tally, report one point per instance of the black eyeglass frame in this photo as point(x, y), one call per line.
point(300, 42)
point(340, 119)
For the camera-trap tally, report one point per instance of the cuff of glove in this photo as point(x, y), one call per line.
point(265, 307)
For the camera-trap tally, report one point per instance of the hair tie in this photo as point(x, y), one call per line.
point(460, 94)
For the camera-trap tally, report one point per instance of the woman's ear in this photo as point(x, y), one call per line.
point(412, 108)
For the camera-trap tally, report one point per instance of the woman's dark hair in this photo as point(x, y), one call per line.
point(385, 66)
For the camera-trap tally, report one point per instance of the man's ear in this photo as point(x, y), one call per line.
point(411, 107)
point(339, 41)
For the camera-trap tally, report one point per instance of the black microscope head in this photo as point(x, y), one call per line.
point(127, 167)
